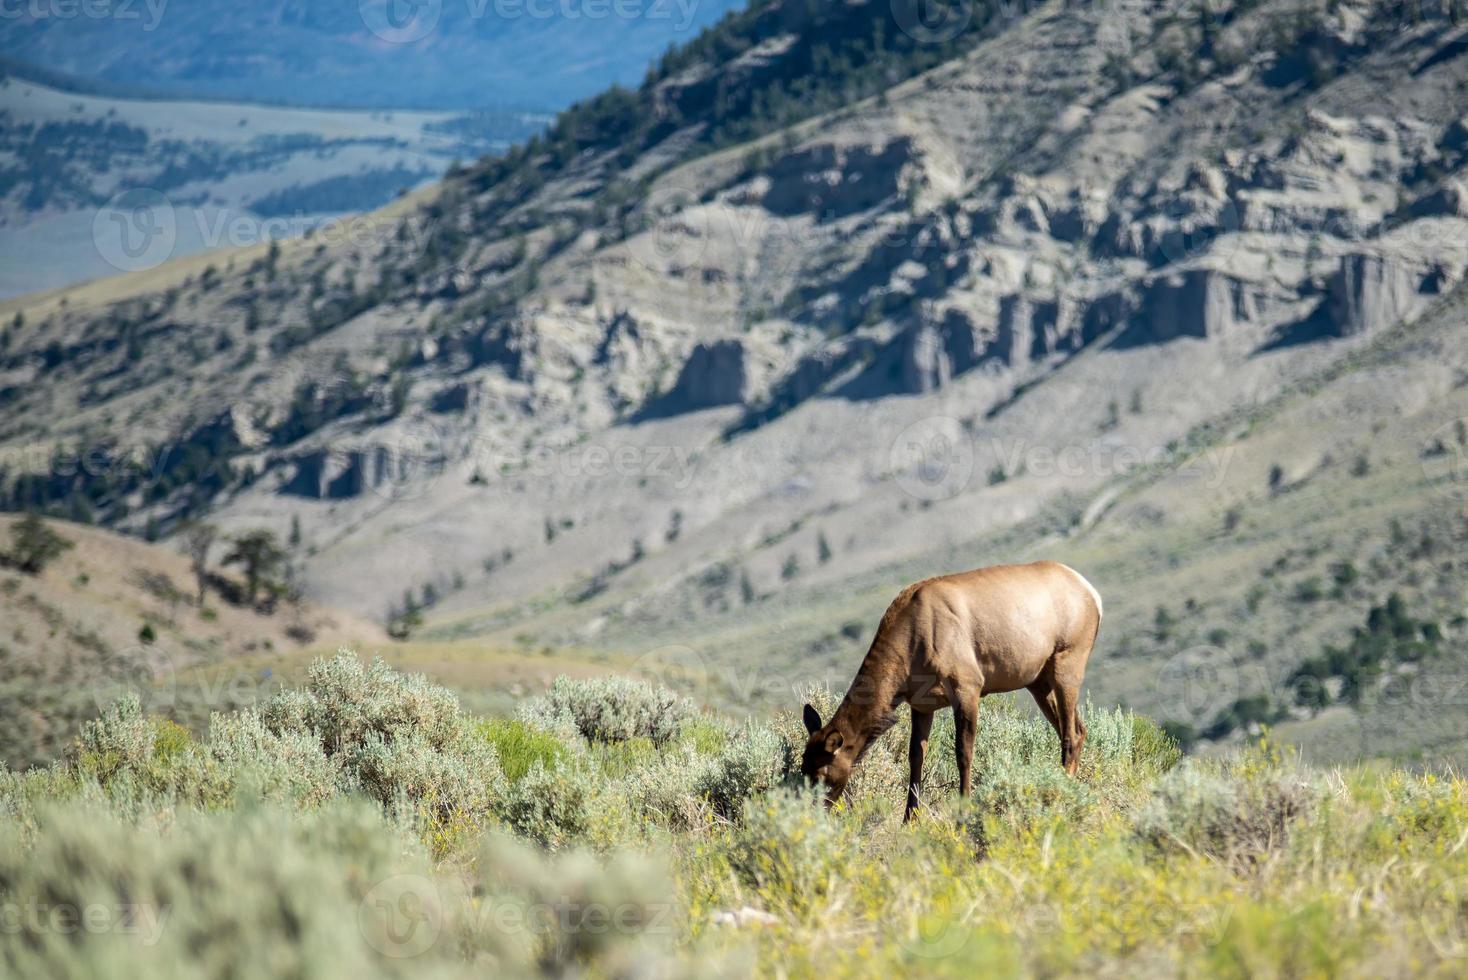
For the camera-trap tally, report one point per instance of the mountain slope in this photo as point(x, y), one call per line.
point(709, 370)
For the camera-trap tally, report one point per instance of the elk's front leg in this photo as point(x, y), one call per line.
point(917, 750)
point(965, 703)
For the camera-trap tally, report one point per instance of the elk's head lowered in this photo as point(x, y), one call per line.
point(829, 755)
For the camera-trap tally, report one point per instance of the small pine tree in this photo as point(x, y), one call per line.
point(747, 594)
point(262, 558)
point(33, 545)
point(197, 540)
point(823, 548)
point(1232, 519)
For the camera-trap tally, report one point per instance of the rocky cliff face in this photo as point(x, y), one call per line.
point(1073, 209)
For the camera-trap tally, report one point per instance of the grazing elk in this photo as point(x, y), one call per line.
point(947, 642)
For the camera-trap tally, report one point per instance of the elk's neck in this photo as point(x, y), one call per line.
point(870, 706)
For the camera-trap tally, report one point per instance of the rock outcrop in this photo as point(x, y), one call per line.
point(714, 374)
point(333, 473)
point(1024, 325)
point(1370, 291)
point(1203, 303)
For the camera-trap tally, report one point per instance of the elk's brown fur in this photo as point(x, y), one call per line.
point(948, 641)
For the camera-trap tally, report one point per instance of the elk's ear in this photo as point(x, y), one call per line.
point(812, 720)
point(834, 741)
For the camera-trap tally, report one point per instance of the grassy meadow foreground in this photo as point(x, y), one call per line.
point(365, 825)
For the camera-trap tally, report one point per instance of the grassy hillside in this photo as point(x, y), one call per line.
point(113, 612)
point(364, 826)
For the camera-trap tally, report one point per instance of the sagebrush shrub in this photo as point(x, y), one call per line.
point(587, 916)
point(1020, 794)
point(243, 754)
point(610, 709)
point(549, 806)
point(117, 744)
point(663, 793)
point(256, 892)
point(790, 850)
point(1239, 818)
point(354, 727)
point(754, 760)
point(345, 701)
point(408, 772)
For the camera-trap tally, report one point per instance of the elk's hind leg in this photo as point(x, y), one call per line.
point(1045, 698)
point(1065, 671)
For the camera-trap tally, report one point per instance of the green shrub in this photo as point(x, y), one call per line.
point(706, 735)
point(520, 746)
point(171, 741)
point(33, 545)
point(1153, 749)
point(610, 709)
